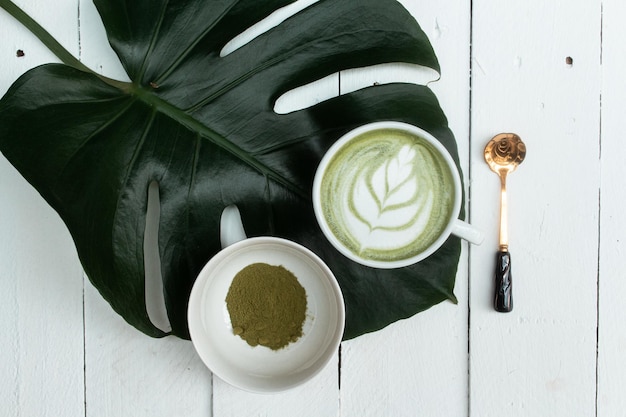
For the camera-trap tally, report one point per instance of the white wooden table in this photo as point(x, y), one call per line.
point(561, 352)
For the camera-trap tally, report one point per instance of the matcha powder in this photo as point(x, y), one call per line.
point(267, 305)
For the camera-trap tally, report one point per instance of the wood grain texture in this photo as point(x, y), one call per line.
point(129, 374)
point(561, 352)
point(318, 397)
point(41, 331)
point(418, 366)
point(539, 359)
point(612, 286)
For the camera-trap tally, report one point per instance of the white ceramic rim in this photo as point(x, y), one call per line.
point(298, 368)
point(317, 206)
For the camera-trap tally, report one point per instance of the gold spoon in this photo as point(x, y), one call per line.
point(503, 154)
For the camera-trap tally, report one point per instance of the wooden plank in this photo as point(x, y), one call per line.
point(127, 372)
point(418, 366)
point(541, 358)
point(40, 276)
point(538, 360)
point(130, 374)
point(319, 396)
point(95, 51)
point(315, 398)
point(612, 286)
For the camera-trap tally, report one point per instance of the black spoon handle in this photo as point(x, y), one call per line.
point(504, 290)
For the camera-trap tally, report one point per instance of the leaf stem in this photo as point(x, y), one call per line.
point(53, 45)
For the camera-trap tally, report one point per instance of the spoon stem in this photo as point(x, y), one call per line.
point(504, 216)
point(503, 298)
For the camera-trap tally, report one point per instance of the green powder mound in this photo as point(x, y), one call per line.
point(267, 306)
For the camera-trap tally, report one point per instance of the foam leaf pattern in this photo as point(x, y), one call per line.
point(390, 198)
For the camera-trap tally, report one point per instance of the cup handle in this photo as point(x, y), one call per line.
point(467, 232)
point(231, 226)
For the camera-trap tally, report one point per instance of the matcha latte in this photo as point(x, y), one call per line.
point(386, 195)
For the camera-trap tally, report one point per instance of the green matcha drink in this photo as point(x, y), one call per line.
point(387, 195)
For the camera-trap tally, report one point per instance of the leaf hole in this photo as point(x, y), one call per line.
point(308, 95)
point(264, 25)
point(351, 80)
point(386, 73)
point(155, 298)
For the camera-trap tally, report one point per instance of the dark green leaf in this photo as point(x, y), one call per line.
point(203, 127)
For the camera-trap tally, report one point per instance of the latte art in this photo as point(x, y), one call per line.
point(387, 195)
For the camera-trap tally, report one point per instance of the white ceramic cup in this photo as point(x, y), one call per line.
point(374, 195)
point(260, 369)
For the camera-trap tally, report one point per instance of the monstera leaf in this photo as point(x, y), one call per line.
point(203, 127)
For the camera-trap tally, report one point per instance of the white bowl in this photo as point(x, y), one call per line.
point(260, 369)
